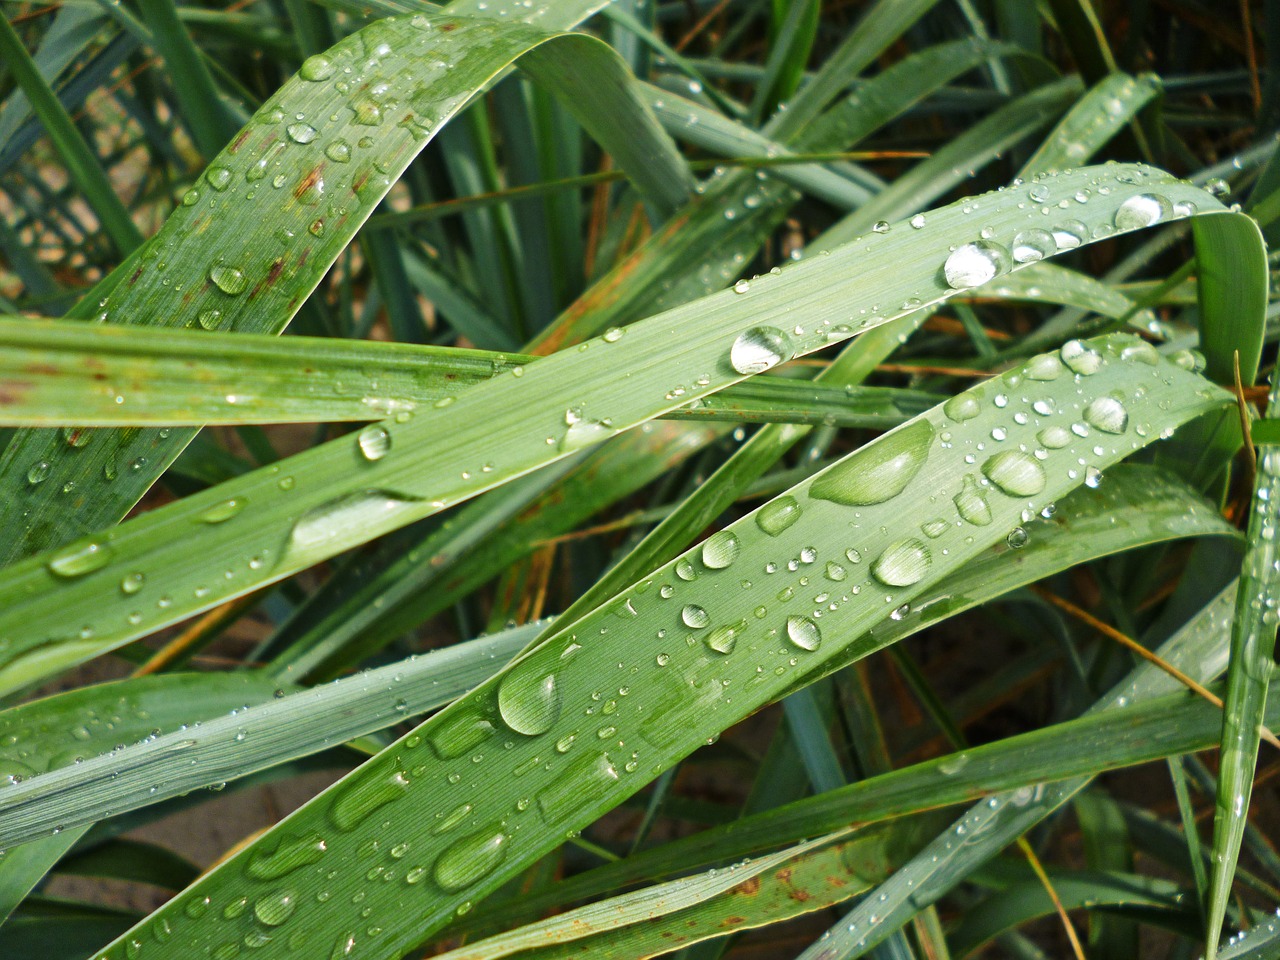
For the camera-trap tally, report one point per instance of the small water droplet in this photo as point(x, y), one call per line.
point(79, 558)
point(1044, 367)
point(38, 473)
point(132, 583)
point(218, 177)
point(724, 638)
point(1081, 358)
point(357, 800)
point(962, 407)
point(471, 859)
point(1032, 245)
point(685, 569)
point(301, 132)
point(694, 616)
point(1017, 538)
point(291, 852)
point(1070, 234)
point(225, 510)
point(1107, 414)
point(339, 151)
point(230, 280)
point(1092, 477)
point(760, 349)
point(275, 908)
point(316, 68)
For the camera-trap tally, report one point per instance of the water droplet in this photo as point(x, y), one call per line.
point(759, 349)
point(694, 616)
point(218, 177)
point(880, 226)
point(366, 792)
point(1032, 245)
point(1017, 538)
point(804, 633)
point(471, 859)
point(339, 151)
point(1107, 414)
point(724, 638)
point(458, 731)
point(1044, 367)
point(528, 699)
point(79, 558)
point(39, 472)
point(132, 583)
point(316, 68)
point(230, 280)
point(973, 264)
point(346, 517)
point(1070, 234)
point(1055, 437)
point(962, 407)
point(1081, 358)
point(1142, 352)
point(1142, 210)
point(879, 471)
point(902, 563)
point(290, 853)
point(685, 570)
point(935, 528)
point(720, 550)
point(209, 319)
point(374, 441)
point(1016, 473)
point(273, 909)
point(776, 515)
point(301, 132)
point(583, 432)
point(835, 572)
point(1092, 477)
point(742, 286)
point(917, 221)
point(223, 511)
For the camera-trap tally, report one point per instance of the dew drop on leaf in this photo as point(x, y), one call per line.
point(759, 349)
point(902, 563)
point(694, 616)
point(1070, 234)
point(1016, 473)
point(1142, 210)
point(225, 510)
point(275, 908)
point(316, 68)
point(1032, 245)
point(528, 699)
point(356, 801)
point(973, 264)
point(291, 852)
point(230, 280)
point(1107, 414)
point(776, 515)
point(301, 132)
point(1044, 367)
point(374, 442)
point(471, 859)
point(38, 473)
point(1081, 357)
point(962, 407)
point(724, 638)
point(81, 557)
point(804, 633)
point(720, 550)
point(879, 471)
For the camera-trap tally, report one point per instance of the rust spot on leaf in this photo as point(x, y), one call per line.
point(732, 921)
point(239, 141)
point(11, 391)
point(749, 887)
point(314, 176)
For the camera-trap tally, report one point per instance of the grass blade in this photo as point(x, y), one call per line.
point(562, 772)
point(254, 279)
point(1253, 639)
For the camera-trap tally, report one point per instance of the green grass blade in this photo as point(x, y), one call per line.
point(1101, 113)
point(83, 166)
point(251, 272)
point(1083, 33)
point(274, 521)
point(225, 746)
point(1253, 639)
point(1262, 942)
point(564, 767)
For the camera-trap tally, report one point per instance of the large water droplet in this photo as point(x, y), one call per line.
point(225, 510)
point(973, 264)
point(760, 348)
point(1016, 473)
point(879, 471)
point(724, 638)
point(1142, 210)
point(317, 68)
point(776, 515)
point(456, 732)
point(471, 859)
point(301, 132)
point(367, 791)
point(695, 616)
point(1032, 245)
point(1070, 234)
point(902, 563)
point(218, 177)
point(346, 517)
point(275, 908)
point(962, 407)
point(79, 558)
point(804, 633)
point(230, 280)
point(1055, 437)
point(290, 853)
point(1107, 414)
point(339, 151)
point(38, 473)
point(1044, 367)
point(1081, 357)
point(374, 441)
point(720, 550)
point(971, 504)
point(528, 699)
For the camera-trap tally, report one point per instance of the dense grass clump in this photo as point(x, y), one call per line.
point(728, 478)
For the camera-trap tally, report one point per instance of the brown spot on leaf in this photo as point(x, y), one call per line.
point(314, 176)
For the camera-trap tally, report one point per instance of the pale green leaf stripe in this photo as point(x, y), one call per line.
point(1101, 113)
point(1049, 283)
point(1253, 642)
point(225, 746)
point(272, 212)
point(270, 523)
point(114, 375)
point(1145, 504)
point(659, 900)
point(808, 883)
point(577, 725)
point(1261, 942)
